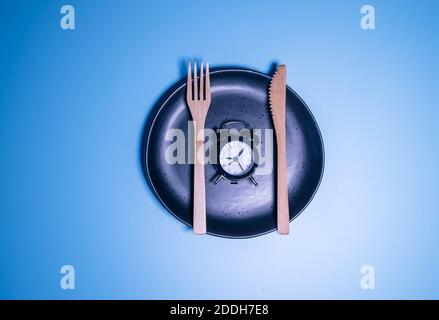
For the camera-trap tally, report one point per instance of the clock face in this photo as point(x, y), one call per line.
point(236, 158)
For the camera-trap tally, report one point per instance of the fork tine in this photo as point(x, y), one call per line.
point(207, 82)
point(195, 82)
point(201, 82)
point(189, 83)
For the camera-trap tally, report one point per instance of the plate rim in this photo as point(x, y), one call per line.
point(169, 97)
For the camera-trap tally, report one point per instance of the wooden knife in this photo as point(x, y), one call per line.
point(277, 96)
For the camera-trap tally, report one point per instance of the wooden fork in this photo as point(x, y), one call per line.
point(199, 102)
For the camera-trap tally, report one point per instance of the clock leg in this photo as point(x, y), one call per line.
point(253, 180)
point(217, 178)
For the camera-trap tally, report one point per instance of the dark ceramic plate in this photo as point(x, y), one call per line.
point(236, 210)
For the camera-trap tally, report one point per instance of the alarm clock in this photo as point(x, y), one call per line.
point(236, 158)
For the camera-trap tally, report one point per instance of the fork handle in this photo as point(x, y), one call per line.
point(283, 213)
point(199, 217)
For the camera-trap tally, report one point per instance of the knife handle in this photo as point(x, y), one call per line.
point(283, 213)
point(199, 224)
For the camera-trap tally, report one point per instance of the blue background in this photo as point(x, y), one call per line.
point(72, 109)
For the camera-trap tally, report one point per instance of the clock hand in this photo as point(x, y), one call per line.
point(240, 152)
point(237, 160)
